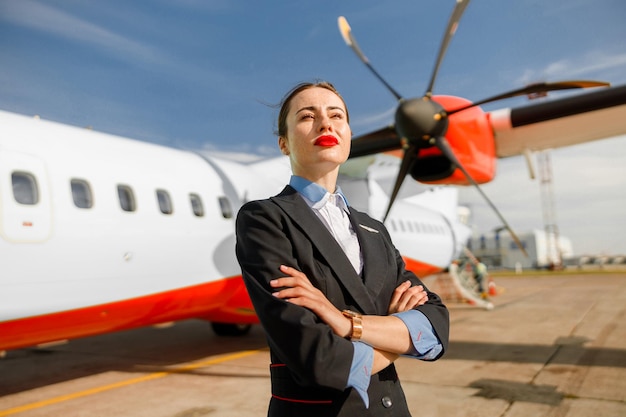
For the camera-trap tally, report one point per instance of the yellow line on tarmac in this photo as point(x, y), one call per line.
point(121, 384)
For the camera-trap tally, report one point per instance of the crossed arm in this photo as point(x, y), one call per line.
point(388, 335)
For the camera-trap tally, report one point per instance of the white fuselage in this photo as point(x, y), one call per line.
point(64, 249)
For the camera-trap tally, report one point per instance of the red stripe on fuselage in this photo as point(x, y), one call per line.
point(225, 301)
point(421, 269)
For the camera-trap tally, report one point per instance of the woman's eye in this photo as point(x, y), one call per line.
point(306, 116)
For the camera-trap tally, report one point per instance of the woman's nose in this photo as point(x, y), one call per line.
point(325, 124)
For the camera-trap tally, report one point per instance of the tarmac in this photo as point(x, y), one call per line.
point(554, 345)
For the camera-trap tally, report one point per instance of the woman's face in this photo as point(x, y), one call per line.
point(318, 135)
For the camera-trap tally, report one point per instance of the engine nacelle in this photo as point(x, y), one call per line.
point(471, 138)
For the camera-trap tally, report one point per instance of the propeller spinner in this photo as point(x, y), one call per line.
point(422, 122)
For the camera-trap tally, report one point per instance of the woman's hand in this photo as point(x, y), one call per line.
point(406, 297)
point(297, 289)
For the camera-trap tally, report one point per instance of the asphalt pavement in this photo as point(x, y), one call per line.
point(553, 345)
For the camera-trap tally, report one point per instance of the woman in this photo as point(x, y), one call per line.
point(330, 289)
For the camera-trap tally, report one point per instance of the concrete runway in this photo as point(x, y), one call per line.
point(555, 345)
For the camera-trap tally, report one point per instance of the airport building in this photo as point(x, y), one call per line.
point(499, 250)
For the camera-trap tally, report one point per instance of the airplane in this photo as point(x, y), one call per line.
point(100, 233)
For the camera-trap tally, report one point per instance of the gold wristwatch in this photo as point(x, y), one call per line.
point(357, 324)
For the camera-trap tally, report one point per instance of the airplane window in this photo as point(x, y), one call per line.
point(410, 226)
point(127, 198)
point(165, 202)
point(227, 211)
point(393, 225)
point(81, 193)
point(196, 205)
point(25, 190)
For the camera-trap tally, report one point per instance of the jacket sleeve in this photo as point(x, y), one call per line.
point(434, 309)
point(306, 345)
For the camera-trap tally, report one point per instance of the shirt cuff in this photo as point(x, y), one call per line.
point(425, 342)
point(361, 370)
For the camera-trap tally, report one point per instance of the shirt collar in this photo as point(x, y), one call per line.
point(315, 192)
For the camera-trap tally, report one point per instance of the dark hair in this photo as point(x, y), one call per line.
point(285, 103)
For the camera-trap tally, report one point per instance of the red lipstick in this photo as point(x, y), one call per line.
point(326, 140)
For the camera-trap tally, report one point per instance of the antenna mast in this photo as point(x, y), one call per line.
point(553, 251)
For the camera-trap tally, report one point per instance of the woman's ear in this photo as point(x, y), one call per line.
point(283, 145)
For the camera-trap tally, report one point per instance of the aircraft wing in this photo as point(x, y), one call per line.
point(556, 123)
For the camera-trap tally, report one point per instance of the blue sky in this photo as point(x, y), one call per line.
point(203, 74)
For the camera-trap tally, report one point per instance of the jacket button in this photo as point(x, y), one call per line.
point(387, 402)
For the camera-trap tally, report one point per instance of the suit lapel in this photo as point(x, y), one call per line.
point(372, 246)
point(302, 215)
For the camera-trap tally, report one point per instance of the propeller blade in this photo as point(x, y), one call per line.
point(407, 162)
point(346, 33)
point(537, 88)
point(443, 145)
point(453, 24)
point(383, 140)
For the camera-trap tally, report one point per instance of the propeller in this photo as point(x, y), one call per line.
point(417, 121)
point(447, 151)
point(422, 123)
point(453, 24)
point(346, 32)
point(383, 140)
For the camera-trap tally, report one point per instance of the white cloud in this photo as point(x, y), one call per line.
point(373, 121)
point(41, 17)
point(593, 64)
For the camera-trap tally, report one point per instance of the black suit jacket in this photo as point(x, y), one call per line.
point(310, 364)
